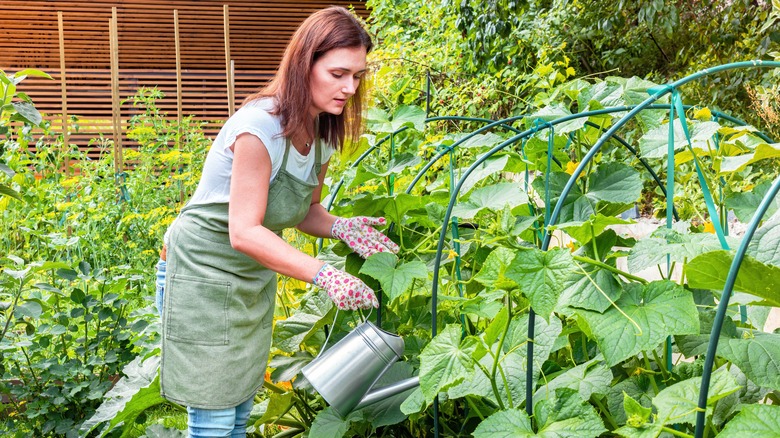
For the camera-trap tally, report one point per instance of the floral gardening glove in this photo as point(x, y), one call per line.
point(359, 234)
point(346, 291)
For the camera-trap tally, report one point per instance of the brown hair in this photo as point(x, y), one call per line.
point(327, 29)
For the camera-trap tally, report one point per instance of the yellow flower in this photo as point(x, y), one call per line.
point(702, 114)
point(709, 227)
point(571, 166)
point(70, 182)
point(451, 255)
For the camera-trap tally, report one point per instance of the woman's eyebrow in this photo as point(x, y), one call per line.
point(345, 69)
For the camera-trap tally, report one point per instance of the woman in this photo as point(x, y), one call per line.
point(263, 173)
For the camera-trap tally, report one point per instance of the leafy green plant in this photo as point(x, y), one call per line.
point(76, 280)
point(600, 358)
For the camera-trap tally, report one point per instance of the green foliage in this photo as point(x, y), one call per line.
point(76, 279)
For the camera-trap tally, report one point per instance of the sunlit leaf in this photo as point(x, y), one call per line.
point(541, 276)
point(394, 278)
point(642, 318)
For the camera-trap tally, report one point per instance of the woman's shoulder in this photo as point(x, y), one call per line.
point(259, 110)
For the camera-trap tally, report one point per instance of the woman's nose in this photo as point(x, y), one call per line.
point(350, 86)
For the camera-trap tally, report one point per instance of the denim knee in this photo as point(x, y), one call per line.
point(222, 423)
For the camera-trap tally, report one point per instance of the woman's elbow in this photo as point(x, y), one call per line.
point(239, 240)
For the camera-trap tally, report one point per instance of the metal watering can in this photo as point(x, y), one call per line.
point(345, 373)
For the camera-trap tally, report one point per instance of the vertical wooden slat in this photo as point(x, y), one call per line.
point(179, 113)
point(117, 115)
point(64, 87)
point(230, 88)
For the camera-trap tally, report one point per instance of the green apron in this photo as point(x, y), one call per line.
point(219, 303)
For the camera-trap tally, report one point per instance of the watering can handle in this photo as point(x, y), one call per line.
point(336, 315)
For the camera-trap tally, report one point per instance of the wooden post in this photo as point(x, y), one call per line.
point(64, 99)
point(179, 111)
point(116, 112)
point(178, 72)
point(230, 91)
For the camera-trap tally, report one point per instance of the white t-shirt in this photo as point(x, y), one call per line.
point(253, 118)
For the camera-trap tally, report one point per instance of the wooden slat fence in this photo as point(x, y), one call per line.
point(258, 34)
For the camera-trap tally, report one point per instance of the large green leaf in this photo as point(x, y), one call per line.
point(485, 140)
point(757, 354)
point(678, 403)
point(493, 197)
point(132, 394)
point(509, 423)
point(513, 361)
point(160, 431)
point(587, 378)
point(394, 278)
point(654, 144)
point(329, 424)
point(754, 421)
point(584, 231)
point(612, 188)
point(8, 191)
point(653, 250)
point(589, 287)
point(744, 204)
point(638, 388)
point(398, 164)
point(564, 414)
point(710, 270)
point(405, 115)
point(314, 314)
point(740, 162)
point(493, 272)
point(641, 319)
point(446, 361)
point(553, 112)
point(541, 276)
point(276, 405)
point(765, 245)
point(489, 167)
point(28, 113)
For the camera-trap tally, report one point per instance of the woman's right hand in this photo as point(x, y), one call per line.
point(345, 290)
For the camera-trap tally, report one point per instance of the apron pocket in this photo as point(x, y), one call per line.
point(197, 310)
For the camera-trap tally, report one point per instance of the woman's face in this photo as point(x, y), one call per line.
point(334, 78)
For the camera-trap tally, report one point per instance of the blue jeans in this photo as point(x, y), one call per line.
point(160, 286)
point(223, 423)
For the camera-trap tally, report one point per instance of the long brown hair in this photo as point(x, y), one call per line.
point(327, 29)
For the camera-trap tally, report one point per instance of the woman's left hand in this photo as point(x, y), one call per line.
point(360, 235)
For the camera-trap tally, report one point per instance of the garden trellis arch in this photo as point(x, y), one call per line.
point(554, 215)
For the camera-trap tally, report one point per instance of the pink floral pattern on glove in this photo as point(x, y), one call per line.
point(361, 236)
point(346, 291)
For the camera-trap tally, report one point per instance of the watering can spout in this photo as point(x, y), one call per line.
point(388, 391)
point(345, 373)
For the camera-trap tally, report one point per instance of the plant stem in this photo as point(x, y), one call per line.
point(475, 408)
point(29, 365)
point(501, 346)
point(661, 366)
point(602, 265)
point(584, 340)
point(675, 432)
point(10, 311)
point(593, 241)
point(493, 384)
point(649, 368)
point(605, 412)
point(289, 432)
